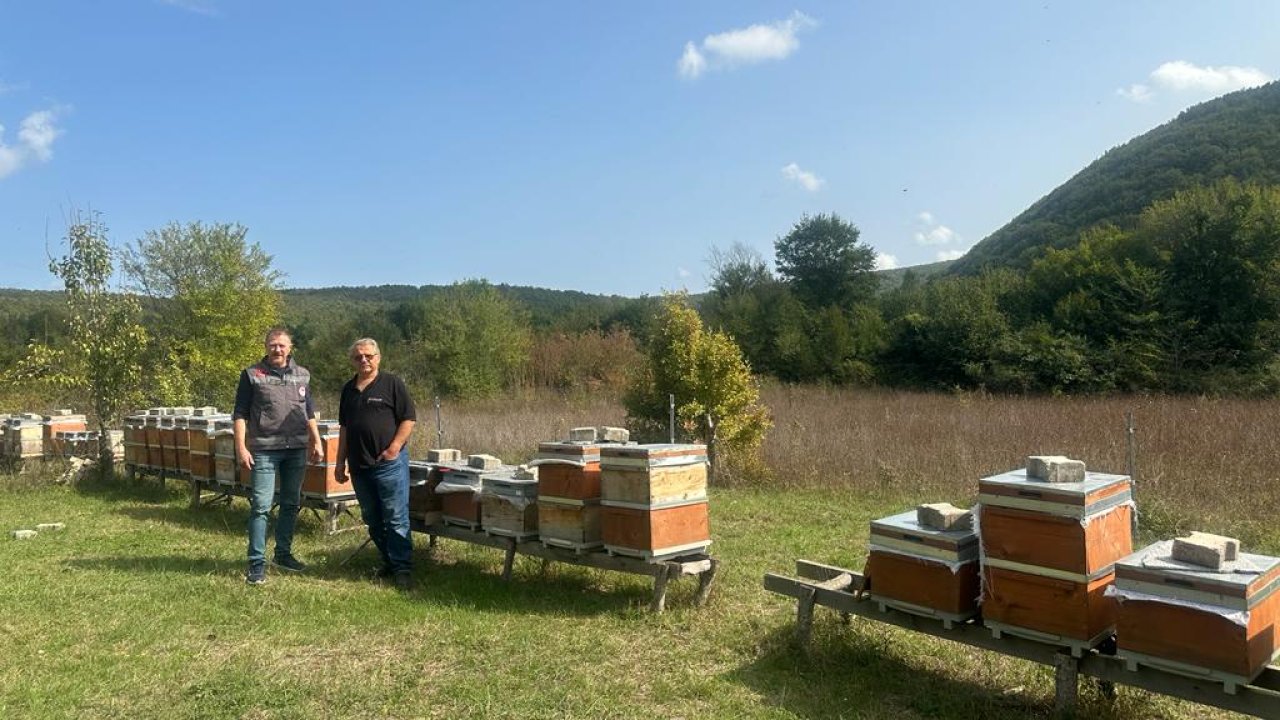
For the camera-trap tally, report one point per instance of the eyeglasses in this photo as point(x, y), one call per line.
point(364, 356)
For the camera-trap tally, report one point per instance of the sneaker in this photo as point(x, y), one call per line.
point(404, 580)
point(385, 572)
point(257, 573)
point(289, 562)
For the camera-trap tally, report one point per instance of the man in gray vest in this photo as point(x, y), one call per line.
point(275, 422)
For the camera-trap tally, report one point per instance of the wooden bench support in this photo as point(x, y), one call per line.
point(663, 571)
point(813, 587)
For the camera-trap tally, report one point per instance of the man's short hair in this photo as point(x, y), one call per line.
point(278, 330)
point(364, 341)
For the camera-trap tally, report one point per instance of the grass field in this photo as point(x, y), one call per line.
point(138, 609)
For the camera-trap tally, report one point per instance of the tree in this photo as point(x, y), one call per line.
point(717, 399)
point(214, 296)
point(825, 264)
point(104, 334)
point(469, 340)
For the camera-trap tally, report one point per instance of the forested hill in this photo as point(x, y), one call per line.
point(1237, 135)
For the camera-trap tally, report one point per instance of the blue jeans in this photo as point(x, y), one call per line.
point(383, 492)
point(290, 464)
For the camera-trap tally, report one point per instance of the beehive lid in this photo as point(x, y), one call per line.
point(573, 452)
point(62, 419)
point(511, 486)
point(1240, 583)
point(1099, 492)
point(208, 423)
point(652, 455)
point(328, 427)
point(904, 528)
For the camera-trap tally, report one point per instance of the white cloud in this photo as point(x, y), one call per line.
point(744, 46)
point(803, 178)
point(36, 135)
point(1136, 92)
point(683, 272)
point(692, 63)
point(885, 261)
point(931, 232)
point(950, 255)
point(1182, 76)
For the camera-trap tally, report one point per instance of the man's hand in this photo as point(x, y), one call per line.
point(317, 455)
point(391, 453)
point(341, 474)
point(245, 457)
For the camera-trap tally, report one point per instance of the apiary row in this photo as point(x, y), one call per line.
point(647, 501)
point(63, 433)
point(1048, 554)
point(199, 443)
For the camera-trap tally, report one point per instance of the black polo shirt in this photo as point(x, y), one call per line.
point(372, 416)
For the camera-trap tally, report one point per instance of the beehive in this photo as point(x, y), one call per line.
point(569, 471)
point(63, 421)
point(508, 506)
point(1049, 551)
point(320, 480)
point(923, 570)
point(424, 503)
point(24, 437)
point(1219, 623)
point(654, 499)
point(200, 441)
point(459, 490)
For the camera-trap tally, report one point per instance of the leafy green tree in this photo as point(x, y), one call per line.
point(214, 296)
point(468, 341)
point(709, 378)
point(104, 332)
point(825, 264)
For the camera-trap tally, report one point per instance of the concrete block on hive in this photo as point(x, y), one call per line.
point(442, 455)
point(483, 462)
point(1205, 549)
point(1055, 469)
point(206, 411)
point(944, 516)
point(582, 434)
point(524, 472)
point(63, 411)
point(614, 434)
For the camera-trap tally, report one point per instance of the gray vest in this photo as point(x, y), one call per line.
point(278, 413)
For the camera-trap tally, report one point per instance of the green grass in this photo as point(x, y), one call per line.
point(138, 609)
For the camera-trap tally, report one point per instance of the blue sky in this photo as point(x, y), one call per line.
point(596, 146)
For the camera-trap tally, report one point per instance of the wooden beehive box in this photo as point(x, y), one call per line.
point(1077, 528)
point(508, 506)
point(1219, 623)
point(60, 423)
point(24, 437)
point(168, 443)
point(459, 490)
point(568, 470)
point(1074, 611)
point(573, 524)
point(652, 475)
point(329, 433)
point(923, 570)
point(423, 500)
point(182, 443)
point(135, 439)
point(652, 533)
point(151, 433)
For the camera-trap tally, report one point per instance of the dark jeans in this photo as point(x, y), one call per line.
point(291, 464)
point(383, 492)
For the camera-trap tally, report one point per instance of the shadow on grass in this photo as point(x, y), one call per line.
point(444, 578)
point(851, 671)
point(147, 489)
point(153, 564)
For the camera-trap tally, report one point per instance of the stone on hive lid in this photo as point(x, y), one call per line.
point(483, 462)
point(441, 455)
point(1055, 469)
point(944, 516)
point(524, 472)
point(582, 434)
point(614, 434)
point(1205, 549)
point(63, 411)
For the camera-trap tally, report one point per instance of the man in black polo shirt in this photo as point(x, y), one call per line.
point(376, 416)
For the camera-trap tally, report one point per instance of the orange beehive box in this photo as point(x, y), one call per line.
point(151, 432)
point(568, 470)
point(329, 434)
point(655, 532)
point(1030, 604)
point(320, 481)
point(921, 569)
point(1220, 623)
point(62, 423)
point(461, 508)
point(1079, 528)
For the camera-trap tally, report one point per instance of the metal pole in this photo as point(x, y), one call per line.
point(439, 424)
point(1131, 455)
point(671, 423)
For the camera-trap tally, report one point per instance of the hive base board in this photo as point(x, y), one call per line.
point(1078, 647)
point(657, 553)
point(1230, 681)
point(505, 532)
point(577, 547)
point(948, 619)
point(460, 522)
